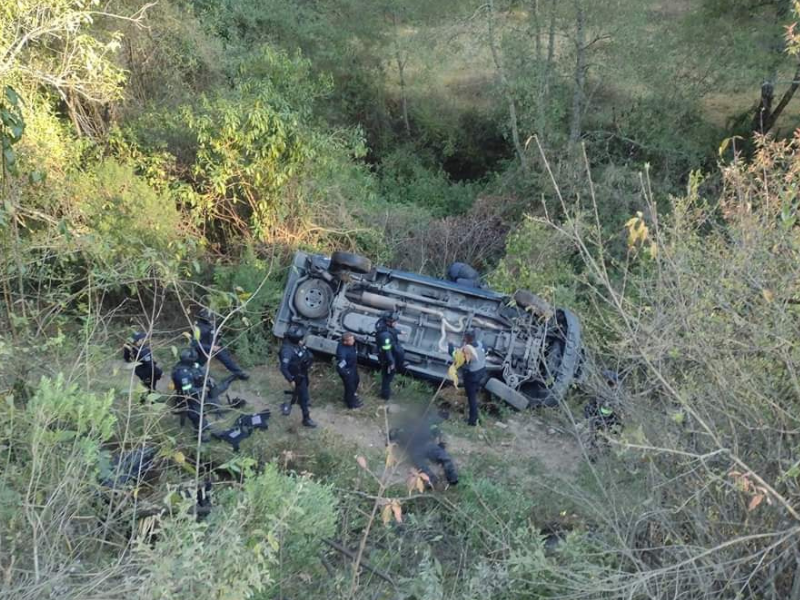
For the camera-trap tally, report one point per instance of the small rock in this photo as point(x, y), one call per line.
point(501, 425)
point(551, 431)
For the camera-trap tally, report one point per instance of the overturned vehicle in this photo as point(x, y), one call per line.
point(534, 351)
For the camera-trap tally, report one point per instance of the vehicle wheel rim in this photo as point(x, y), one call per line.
point(314, 298)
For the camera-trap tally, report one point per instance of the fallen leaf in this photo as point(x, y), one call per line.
point(362, 462)
point(397, 510)
point(755, 501)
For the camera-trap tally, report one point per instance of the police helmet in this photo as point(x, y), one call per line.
point(295, 333)
point(138, 337)
point(391, 316)
point(207, 315)
point(188, 355)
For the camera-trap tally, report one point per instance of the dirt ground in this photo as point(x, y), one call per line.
point(519, 440)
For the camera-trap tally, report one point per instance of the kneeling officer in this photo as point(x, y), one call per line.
point(295, 362)
point(187, 377)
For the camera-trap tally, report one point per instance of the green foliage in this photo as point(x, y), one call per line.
point(539, 259)
point(296, 510)
point(225, 556)
point(240, 287)
point(405, 179)
point(12, 125)
point(247, 149)
point(51, 446)
point(48, 43)
point(118, 213)
point(271, 527)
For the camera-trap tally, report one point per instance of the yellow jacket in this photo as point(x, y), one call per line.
point(458, 361)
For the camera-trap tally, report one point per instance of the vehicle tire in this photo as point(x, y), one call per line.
point(346, 261)
point(506, 393)
point(529, 301)
point(565, 354)
point(571, 355)
point(312, 298)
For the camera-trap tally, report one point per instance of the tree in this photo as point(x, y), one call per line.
point(51, 43)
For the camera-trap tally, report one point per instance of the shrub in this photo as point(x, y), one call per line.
point(51, 454)
point(119, 214)
point(705, 340)
point(237, 287)
point(540, 259)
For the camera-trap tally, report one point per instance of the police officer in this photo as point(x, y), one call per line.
point(295, 360)
point(347, 367)
point(188, 377)
point(147, 370)
point(205, 331)
point(390, 351)
point(424, 444)
point(474, 373)
point(601, 411)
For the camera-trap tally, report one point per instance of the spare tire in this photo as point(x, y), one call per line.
point(531, 302)
point(347, 261)
point(312, 298)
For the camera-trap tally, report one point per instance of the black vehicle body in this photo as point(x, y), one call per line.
point(534, 352)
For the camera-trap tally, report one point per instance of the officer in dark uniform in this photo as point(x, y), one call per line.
point(390, 351)
point(347, 367)
point(188, 377)
point(147, 370)
point(424, 444)
point(205, 331)
point(473, 373)
point(601, 412)
point(295, 360)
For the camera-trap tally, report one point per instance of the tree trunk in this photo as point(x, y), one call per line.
point(512, 107)
point(544, 79)
point(580, 73)
point(765, 116)
point(401, 69)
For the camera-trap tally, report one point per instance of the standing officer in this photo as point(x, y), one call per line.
point(390, 352)
point(295, 362)
point(347, 367)
point(205, 332)
point(136, 350)
point(474, 371)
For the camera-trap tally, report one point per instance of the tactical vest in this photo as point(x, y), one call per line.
point(478, 361)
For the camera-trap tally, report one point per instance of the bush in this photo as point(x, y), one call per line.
point(405, 179)
point(51, 455)
point(540, 259)
point(239, 287)
point(118, 214)
point(705, 337)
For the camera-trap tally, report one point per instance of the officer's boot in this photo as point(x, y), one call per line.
point(286, 409)
point(309, 422)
